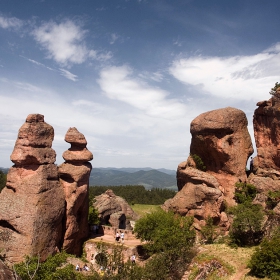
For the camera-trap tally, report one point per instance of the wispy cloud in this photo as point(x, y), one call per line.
point(238, 77)
point(114, 37)
point(10, 22)
point(68, 75)
point(119, 84)
point(65, 43)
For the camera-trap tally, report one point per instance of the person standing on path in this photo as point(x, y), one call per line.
point(117, 236)
point(122, 236)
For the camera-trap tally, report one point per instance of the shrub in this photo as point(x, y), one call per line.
point(244, 192)
point(246, 228)
point(265, 262)
point(198, 162)
point(209, 231)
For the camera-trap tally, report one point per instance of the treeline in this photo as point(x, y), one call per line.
point(135, 194)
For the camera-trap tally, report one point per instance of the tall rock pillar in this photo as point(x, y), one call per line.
point(74, 177)
point(32, 203)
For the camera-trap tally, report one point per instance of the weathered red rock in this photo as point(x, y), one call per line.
point(267, 134)
point(32, 203)
point(74, 177)
point(221, 139)
point(115, 210)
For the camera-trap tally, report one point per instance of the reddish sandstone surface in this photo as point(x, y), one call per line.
point(115, 210)
point(32, 203)
point(74, 177)
point(221, 139)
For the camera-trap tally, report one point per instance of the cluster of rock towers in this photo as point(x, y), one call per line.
point(44, 207)
point(221, 139)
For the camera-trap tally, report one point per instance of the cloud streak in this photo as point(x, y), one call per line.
point(237, 77)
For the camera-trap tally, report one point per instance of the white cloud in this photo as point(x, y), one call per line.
point(68, 75)
point(65, 43)
point(12, 22)
point(238, 77)
point(118, 83)
point(114, 37)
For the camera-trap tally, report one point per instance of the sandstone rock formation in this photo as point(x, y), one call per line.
point(74, 177)
point(32, 203)
point(114, 210)
point(266, 167)
point(221, 139)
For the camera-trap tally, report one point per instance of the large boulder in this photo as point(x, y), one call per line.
point(74, 177)
point(220, 138)
point(32, 203)
point(115, 210)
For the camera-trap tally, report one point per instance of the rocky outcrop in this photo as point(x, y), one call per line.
point(267, 134)
point(114, 210)
point(266, 165)
point(220, 138)
point(74, 177)
point(32, 203)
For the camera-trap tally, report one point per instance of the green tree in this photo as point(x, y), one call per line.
point(274, 89)
point(246, 228)
point(171, 239)
point(265, 262)
point(93, 216)
point(54, 268)
point(3, 180)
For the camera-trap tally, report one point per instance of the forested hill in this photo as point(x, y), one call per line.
point(149, 178)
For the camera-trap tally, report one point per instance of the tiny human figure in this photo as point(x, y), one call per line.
point(122, 236)
point(77, 267)
point(86, 268)
point(133, 258)
point(117, 236)
point(97, 228)
point(251, 164)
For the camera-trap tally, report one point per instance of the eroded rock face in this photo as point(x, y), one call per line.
point(267, 134)
point(221, 139)
point(266, 167)
point(74, 177)
point(32, 203)
point(115, 210)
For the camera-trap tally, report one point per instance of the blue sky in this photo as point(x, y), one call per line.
point(132, 74)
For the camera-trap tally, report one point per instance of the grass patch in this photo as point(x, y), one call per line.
point(143, 209)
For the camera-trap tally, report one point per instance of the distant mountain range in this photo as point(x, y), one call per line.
point(148, 177)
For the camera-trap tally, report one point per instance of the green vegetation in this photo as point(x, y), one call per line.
point(266, 259)
point(170, 239)
point(246, 228)
point(198, 162)
point(273, 197)
point(274, 89)
point(209, 231)
point(54, 268)
point(93, 216)
point(135, 194)
point(245, 192)
point(3, 179)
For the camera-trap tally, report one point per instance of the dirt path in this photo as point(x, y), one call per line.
point(111, 239)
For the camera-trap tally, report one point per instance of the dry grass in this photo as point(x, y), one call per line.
point(237, 258)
